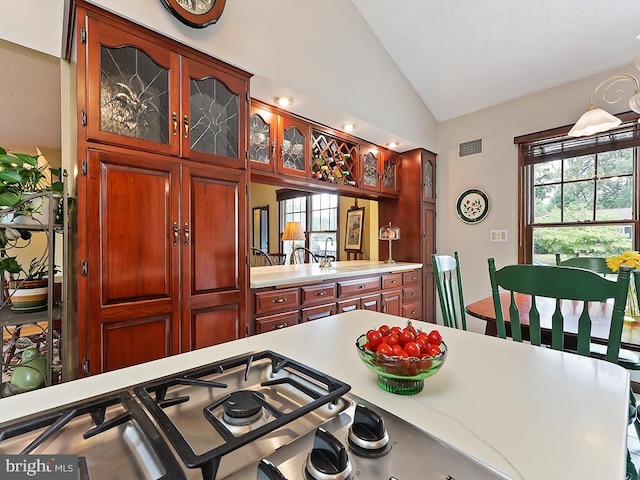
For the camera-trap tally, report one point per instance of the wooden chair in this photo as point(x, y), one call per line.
point(565, 283)
point(260, 258)
point(278, 258)
point(446, 271)
point(595, 264)
point(303, 255)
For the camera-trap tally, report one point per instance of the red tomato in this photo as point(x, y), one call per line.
point(384, 349)
point(422, 343)
point(368, 347)
point(406, 336)
point(392, 339)
point(383, 329)
point(435, 338)
point(412, 349)
point(401, 353)
point(397, 350)
point(396, 330)
point(374, 337)
point(433, 350)
point(422, 335)
point(412, 329)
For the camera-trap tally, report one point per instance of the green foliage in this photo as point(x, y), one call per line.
point(597, 241)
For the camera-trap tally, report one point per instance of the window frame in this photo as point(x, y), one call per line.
point(531, 151)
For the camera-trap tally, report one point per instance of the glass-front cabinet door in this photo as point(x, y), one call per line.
point(428, 177)
point(389, 182)
point(293, 143)
point(370, 167)
point(263, 126)
point(213, 104)
point(129, 90)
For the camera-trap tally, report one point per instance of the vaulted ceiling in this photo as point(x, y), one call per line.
point(465, 55)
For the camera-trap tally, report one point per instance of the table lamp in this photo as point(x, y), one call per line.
point(390, 233)
point(293, 231)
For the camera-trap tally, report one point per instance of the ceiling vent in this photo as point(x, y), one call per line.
point(470, 148)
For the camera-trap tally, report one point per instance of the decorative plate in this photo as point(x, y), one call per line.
point(472, 206)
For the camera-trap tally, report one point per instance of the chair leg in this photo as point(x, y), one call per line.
point(632, 473)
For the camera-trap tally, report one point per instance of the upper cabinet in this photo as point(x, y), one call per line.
point(370, 163)
point(263, 128)
point(333, 159)
point(293, 146)
point(428, 177)
point(390, 161)
point(144, 94)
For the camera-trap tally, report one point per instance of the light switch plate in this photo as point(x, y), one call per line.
point(498, 236)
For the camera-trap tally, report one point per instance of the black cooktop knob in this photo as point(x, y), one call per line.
point(329, 459)
point(268, 471)
point(367, 435)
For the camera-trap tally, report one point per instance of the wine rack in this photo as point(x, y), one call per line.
point(333, 159)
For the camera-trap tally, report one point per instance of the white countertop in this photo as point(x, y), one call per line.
point(530, 412)
point(278, 275)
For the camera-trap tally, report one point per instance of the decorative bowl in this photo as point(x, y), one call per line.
point(403, 376)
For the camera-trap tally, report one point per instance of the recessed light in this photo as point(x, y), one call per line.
point(392, 144)
point(284, 101)
point(348, 127)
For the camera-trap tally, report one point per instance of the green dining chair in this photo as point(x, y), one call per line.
point(446, 272)
point(595, 264)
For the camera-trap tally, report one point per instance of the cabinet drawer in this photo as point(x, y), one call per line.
point(313, 313)
point(358, 287)
point(411, 294)
point(392, 280)
point(348, 305)
point(318, 293)
point(276, 300)
point(410, 278)
point(276, 322)
point(371, 302)
point(412, 311)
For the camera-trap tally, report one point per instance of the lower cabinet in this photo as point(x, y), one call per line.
point(391, 302)
point(276, 322)
point(320, 311)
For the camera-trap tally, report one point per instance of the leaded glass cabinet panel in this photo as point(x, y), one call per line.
point(428, 186)
point(370, 168)
point(259, 140)
point(294, 139)
point(390, 173)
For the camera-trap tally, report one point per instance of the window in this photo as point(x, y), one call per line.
point(318, 215)
point(579, 195)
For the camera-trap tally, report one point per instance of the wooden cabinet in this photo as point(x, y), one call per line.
point(414, 211)
point(147, 93)
point(333, 159)
point(153, 264)
point(320, 311)
point(389, 168)
point(271, 301)
point(276, 322)
point(162, 195)
point(293, 146)
point(322, 293)
point(391, 302)
point(263, 130)
point(370, 156)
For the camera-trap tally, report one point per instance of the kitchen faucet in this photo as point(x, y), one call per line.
point(326, 263)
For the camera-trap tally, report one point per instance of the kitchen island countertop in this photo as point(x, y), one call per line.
point(530, 412)
point(280, 275)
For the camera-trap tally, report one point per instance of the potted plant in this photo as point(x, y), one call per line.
point(21, 176)
point(28, 289)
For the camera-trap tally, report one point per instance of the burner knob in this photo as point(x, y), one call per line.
point(367, 435)
point(268, 471)
point(329, 459)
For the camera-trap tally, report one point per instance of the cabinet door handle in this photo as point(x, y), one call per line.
point(278, 327)
point(320, 294)
point(279, 300)
point(273, 149)
point(392, 282)
point(175, 123)
point(186, 234)
point(176, 233)
point(360, 287)
point(185, 120)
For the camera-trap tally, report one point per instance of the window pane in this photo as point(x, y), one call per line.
point(317, 240)
point(618, 162)
point(316, 220)
point(614, 199)
point(578, 201)
point(547, 172)
point(579, 168)
point(547, 204)
point(596, 241)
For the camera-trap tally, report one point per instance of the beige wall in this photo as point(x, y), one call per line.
point(495, 171)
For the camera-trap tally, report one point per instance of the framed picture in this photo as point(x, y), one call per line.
point(355, 227)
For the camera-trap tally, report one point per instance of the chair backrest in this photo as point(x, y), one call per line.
point(595, 264)
point(260, 258)
point(277, 258)
point(560, 283)
point(303, 255)
point(446, 272)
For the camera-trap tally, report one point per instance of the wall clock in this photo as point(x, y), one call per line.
point(472, 206)
point(196, 13)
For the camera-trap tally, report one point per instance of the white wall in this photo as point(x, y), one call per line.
point(495, 171)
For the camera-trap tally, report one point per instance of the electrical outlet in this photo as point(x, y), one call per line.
point(498, 236)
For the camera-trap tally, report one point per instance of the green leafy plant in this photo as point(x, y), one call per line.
point(20, 173)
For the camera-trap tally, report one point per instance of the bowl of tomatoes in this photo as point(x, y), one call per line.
point(402, 357)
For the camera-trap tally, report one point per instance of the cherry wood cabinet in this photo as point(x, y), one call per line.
point(162, 195)
point(263, 130)
point(414, 211)
point(147, 93)
point(292, 147)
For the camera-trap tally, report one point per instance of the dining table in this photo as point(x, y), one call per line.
point(600, 314)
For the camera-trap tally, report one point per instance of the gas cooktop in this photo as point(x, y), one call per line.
point(256, 416)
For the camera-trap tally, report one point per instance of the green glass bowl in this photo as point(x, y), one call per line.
point(403, 376)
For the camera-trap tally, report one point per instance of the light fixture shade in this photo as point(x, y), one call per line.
point(389, 232)
point(594, 120)
point(634, 102)
point(293, 231)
